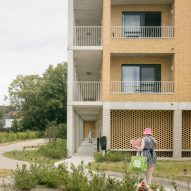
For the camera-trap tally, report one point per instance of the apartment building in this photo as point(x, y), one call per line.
point(129, 68)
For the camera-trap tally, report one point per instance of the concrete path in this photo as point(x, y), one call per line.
point(84, 153)
point(6, 163)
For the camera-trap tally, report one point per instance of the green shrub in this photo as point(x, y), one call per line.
point(24, 179)
point(99, 182)
point(111, 156)
point(54, 149)
point(99, 157)
point(54, 131)
point(130, 181)
point(11, 136)
point(76, 179)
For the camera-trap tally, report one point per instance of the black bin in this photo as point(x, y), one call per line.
point(103, 143)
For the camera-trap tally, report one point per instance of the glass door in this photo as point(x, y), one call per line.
point(131, 25)
point(130, 78)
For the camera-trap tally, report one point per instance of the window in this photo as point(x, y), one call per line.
point(136, 24)
point(141, 78)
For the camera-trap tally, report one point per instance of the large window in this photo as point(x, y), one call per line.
point(145, 24)
point(141, 78)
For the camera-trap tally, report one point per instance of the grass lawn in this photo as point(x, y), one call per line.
point(179, 170)
point(5, 172)
point(30, 156)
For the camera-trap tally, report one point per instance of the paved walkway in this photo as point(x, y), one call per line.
point(6, 163)
point(84, 153)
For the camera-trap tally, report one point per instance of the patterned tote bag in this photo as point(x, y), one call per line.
point(138, 163)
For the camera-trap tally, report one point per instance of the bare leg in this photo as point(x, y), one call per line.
point(149, 174)
point(143, 177)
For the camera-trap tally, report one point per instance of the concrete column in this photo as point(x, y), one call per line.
point(75, 131)
point(177, 134)
point(70, 75)
point(70, 130)
point(81, 130)
point(70, 22)
point(106, 125)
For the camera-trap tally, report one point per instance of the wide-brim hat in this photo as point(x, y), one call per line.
point(147, 131)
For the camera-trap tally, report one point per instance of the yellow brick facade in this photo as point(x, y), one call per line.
point(177, 14)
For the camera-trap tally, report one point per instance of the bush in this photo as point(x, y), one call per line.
point(111, 156)
point(76, 179)
point(11, 136)
point(24, 179)
point(54, 131)
point(54, 149)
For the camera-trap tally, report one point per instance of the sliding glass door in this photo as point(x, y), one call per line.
point(141, 78)
point(141, 24)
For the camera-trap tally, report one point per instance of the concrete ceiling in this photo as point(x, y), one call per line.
point(88, 12)
point(88, 64)
point(119, 2)
point(88, 114)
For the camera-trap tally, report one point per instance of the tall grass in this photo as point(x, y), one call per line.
point(11, 136)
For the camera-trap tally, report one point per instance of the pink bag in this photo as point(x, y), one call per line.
point(136, 142)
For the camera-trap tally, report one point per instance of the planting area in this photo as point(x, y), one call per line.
point(50, 152)
point(77, 179)
point(114, 161)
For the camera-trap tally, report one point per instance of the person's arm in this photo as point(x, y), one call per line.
point(142, 145)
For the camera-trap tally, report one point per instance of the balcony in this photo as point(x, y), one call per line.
point(87, 36)
point(128, 32)
point(87, 91)
point(142, 87)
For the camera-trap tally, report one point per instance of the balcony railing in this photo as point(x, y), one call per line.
point(142, 87)
point(87, 91)
point(142, 32)
point(87, 36)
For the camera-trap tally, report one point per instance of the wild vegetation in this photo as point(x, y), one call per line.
point(77, 179)
point(11, 136)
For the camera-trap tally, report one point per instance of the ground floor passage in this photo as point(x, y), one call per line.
point(171, 129)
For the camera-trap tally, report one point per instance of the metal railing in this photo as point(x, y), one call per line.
point(87, 91)
point(142, 87)
point(87, 36)
point(142, 32)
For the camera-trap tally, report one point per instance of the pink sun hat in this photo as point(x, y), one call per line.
point(147, 131)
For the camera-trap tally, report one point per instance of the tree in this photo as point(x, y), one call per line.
point(41, 100)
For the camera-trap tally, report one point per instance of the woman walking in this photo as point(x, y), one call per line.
point(148, 144)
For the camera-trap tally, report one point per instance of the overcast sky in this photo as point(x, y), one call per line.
point(33, 35)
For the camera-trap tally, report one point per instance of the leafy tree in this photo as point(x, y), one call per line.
point(41, 100)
